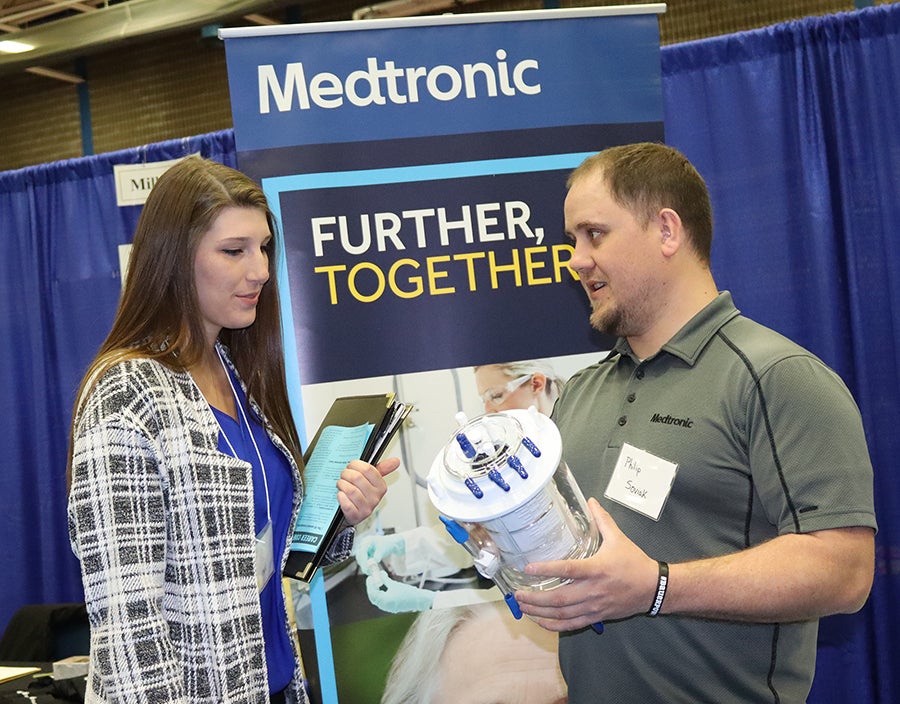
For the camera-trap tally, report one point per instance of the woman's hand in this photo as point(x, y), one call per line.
point(362, 486)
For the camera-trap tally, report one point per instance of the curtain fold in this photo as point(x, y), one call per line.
point(794, 129)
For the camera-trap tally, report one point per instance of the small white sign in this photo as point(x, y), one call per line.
point(641, 481)
point(134, 181)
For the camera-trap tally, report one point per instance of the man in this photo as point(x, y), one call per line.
point(733, 479)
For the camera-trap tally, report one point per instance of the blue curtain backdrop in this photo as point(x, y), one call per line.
point(59, 278)
point(794, 129)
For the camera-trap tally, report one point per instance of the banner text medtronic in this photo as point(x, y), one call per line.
point(427, 228)
point(379, 83)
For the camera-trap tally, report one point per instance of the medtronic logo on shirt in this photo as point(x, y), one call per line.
point(377, 84)
point(671, 420)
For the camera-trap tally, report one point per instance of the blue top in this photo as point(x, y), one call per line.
point(279, 652)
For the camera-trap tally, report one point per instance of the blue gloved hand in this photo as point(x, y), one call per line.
point(372, 549)
point(396, 597)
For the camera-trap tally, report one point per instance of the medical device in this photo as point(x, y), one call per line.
point(506, 495)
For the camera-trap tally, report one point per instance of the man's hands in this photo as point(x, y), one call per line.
point(618, 581)
point(791, 577)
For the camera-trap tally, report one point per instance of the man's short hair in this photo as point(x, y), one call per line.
point(646, 177)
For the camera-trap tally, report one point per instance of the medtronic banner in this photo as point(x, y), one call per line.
point(417, 168)
point(382, 79)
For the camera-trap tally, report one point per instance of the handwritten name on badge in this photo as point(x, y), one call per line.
point(641, 481)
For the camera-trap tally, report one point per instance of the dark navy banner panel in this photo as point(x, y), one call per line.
point(466, 262)
point(458, 78)
point(377, 153)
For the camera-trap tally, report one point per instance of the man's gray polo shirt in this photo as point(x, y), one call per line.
point(767, 440)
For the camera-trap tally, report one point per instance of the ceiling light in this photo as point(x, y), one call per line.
point(8, 46)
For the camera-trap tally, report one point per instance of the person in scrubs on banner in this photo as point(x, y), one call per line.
point(731, 479)
point(511, 385)
point(185, 464)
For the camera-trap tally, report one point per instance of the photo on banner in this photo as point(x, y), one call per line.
point(417, 168)
point(405, 562)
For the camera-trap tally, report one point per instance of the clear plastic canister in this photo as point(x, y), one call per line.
point(502, 478)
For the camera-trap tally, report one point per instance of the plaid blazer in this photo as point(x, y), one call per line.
point(162, 523)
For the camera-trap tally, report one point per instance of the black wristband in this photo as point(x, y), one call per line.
point(661, 587)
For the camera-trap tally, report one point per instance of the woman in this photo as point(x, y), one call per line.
point(185, 464)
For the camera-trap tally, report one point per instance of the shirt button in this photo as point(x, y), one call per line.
point(639, 373)
point(622, 420)
point(630, 398)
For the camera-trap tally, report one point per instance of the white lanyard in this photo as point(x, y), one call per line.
point(240, 408)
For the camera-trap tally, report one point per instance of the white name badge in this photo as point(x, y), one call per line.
point(641, 481)
point(264, 559)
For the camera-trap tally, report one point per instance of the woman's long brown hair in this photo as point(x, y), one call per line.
point(158, 315)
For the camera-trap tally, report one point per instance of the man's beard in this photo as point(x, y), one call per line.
point(610, 321)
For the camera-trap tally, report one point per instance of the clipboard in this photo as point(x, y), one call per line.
point(355, 427)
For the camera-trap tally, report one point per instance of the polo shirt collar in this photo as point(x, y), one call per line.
point(688, 343)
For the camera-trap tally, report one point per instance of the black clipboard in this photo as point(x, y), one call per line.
point(385, 414)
